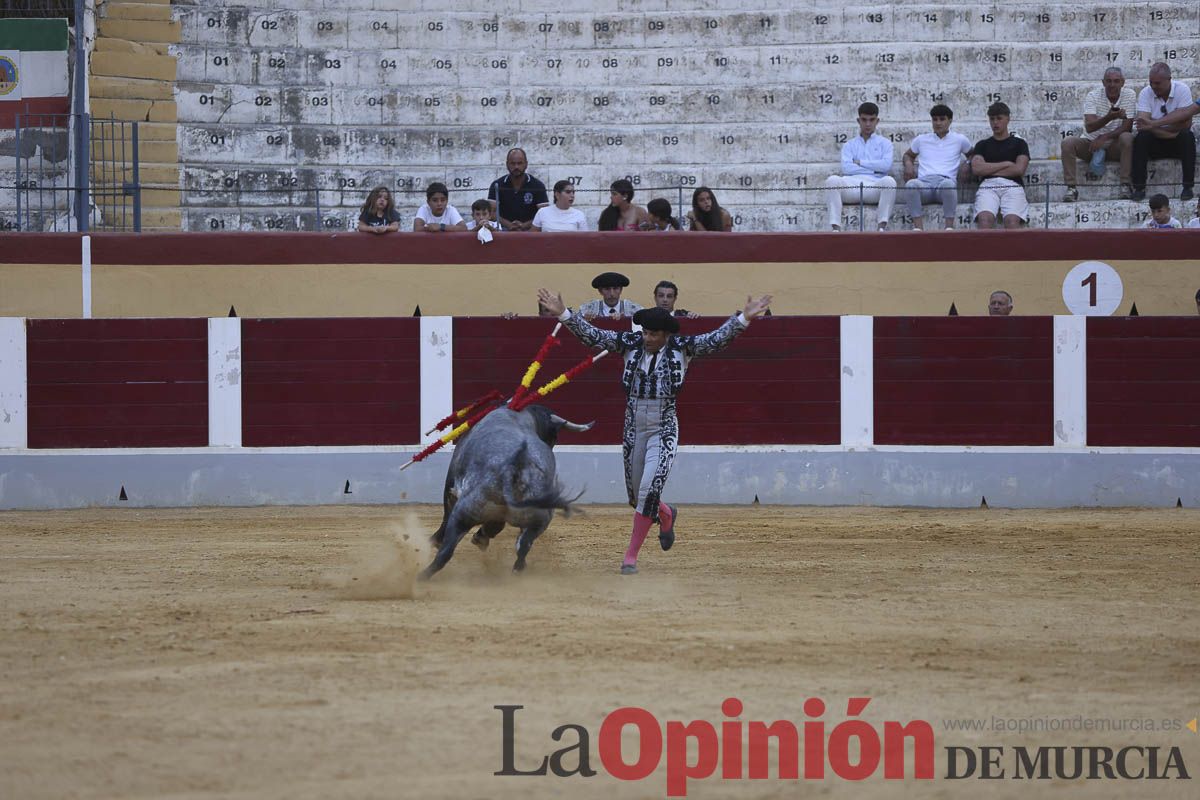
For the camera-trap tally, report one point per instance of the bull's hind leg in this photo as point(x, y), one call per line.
point(529, 535)
point(455, 527)
point(488, 531)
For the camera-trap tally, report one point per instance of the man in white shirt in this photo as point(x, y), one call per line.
point(938, 158)
point(1162, 97)
point(1108, 114)
point(866, 161)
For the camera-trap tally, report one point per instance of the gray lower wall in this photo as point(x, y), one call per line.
point(863, 477)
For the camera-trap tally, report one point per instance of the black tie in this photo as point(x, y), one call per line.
point(653, 363)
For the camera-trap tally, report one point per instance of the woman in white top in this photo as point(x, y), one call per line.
point(437, 215)
point(560, 216)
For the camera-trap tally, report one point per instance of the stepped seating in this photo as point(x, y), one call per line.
point(289, 111)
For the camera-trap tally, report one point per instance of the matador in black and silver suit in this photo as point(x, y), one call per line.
point(656, 362)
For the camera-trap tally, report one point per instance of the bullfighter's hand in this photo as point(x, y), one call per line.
point(552, 302)
point(755, 308)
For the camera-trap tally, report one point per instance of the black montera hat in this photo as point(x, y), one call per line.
point(605, 279)
point(656, 319)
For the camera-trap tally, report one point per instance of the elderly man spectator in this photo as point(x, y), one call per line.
point(665, 295)
point(1163, 97)
point(866, 161)
point(518, 195)
point(1001, 160)
point(1108, 113)
point(609, 305)
point(934, 173)
point(1000, 304)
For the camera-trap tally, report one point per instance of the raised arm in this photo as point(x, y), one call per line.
point(716, 340)
point(587, 333)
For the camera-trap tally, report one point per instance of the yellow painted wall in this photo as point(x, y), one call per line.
point(1158, 288)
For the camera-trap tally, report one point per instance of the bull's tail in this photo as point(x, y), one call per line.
point(556, 498)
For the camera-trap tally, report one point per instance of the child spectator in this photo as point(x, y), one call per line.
point(378, 213)
point(560, 217)
point(622, 214)
point(481, 216)
point(437, 215)
point(659, 211)
point(1160, 214)
point(707, 214)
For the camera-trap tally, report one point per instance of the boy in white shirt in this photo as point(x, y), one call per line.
point(481, 216)
point(939, 156)
point(1160, 214)
point(866, 161)
point(437, 215)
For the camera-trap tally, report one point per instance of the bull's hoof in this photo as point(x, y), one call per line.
point(480, 541)
point(519, 566)
point(426, 573)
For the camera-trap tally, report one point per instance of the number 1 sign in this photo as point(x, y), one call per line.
point(1092, 289)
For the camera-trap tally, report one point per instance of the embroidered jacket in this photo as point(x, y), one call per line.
point(597, 308)
point(651, 376)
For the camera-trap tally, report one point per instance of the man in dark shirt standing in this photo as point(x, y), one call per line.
point(517, 196)
point(1001, 162)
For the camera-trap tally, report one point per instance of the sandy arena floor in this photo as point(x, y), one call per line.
point(285, 652)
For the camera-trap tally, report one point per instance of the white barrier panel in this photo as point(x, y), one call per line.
point(14, 400)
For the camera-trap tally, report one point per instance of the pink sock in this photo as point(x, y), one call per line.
point(665, 517)
point(641, 526)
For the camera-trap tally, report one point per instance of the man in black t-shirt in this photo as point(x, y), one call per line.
point(1001, 162)
point(517, 196)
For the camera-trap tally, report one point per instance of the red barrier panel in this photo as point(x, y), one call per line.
point(118, 382)
point(778, 383)
point(964, 380)
point(330, 382)
point(1143, 389)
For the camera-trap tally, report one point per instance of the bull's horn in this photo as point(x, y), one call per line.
point(571, 426)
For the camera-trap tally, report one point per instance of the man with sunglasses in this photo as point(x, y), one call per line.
point(1160, 99)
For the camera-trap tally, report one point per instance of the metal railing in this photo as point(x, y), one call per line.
point(72, 172)
point(334, 205)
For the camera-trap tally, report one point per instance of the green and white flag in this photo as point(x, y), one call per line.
point(33, 68)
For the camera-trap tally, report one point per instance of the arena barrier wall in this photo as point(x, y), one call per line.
point(856, 410)
point(354, 275)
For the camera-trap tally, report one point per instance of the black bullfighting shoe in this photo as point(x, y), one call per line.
point(667, 537)
point(629, 569)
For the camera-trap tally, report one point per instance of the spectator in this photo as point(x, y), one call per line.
point(437, 215)
point(1108, 114)
point(1195, 221)
point(481, 216)
point(610, 305)
point(1000, 304)
point(560, 216)
point(1183, 114)
point(1198, 301)
point(1001, 161)
point(939, 157)
point(866, 162)
point(1161, 98)
point(1160, 214)
point(707, 214)
point(378, 213)
point(665, 295)
point(659, 211)
point(518, 195)
point(622, 214)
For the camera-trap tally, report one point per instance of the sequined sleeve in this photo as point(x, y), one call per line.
point(714, 341)
point(591, 336)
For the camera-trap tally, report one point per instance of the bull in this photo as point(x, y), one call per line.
point(503, 473)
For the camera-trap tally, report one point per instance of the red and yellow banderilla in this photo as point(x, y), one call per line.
point(526, 399)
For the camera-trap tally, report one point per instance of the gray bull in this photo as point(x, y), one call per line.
point(502, 472)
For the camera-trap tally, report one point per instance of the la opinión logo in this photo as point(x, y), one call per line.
point(728, 744)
